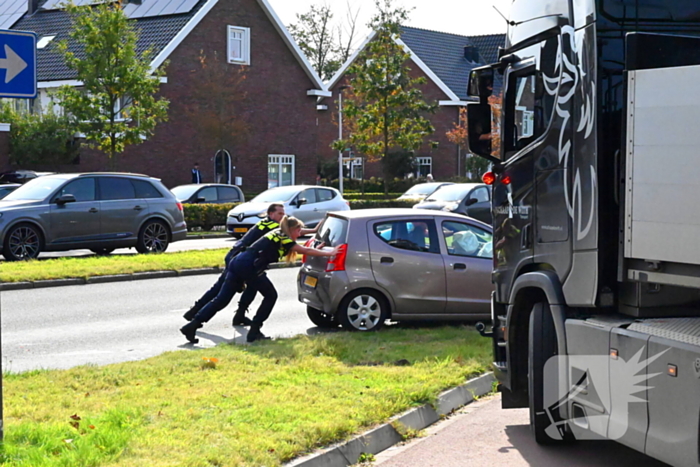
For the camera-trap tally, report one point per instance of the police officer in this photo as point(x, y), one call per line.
point(275, 213)
point(250, 266)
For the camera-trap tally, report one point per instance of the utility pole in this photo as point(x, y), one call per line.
point(340, 136)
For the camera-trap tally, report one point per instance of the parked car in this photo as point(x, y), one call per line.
point(308, 203)
point(8, 188)
point(217, 193)
point(399, 264)
point(421, 191)
point(97, 211)
point(18, 176)
point(470, 199)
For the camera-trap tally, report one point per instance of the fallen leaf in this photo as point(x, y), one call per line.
point(75, 417)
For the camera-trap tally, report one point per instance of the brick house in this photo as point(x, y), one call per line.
point(445, 60)
point(280, 88)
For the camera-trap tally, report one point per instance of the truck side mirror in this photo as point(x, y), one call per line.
point(479, 130)
point(481, 84)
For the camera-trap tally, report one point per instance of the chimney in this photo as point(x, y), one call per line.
point(471, 53)
point(32, 6)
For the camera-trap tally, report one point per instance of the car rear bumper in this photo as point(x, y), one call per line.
point(322, 290)
point(178, 235)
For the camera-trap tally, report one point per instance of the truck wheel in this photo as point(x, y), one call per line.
point(321, 319)
point(22, 242)
point(363, 310)
point(542, 345)
point(153, 238)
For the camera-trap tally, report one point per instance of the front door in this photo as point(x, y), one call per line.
point(78, 221)
point(308, 211)
point(222, 167)
point(406, 262)
point(468, 265)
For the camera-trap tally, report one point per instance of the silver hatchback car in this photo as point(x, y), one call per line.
point(399, 264)
point(97, 211)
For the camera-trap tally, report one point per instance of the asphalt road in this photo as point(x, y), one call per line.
point(484, 435)
point(61, 327)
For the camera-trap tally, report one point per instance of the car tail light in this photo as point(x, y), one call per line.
point(488, 178)
point(179, 207)
point(308, 244)
point(337, 262)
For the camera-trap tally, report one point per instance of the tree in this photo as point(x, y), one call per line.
point(117, 104)
point(46, 139)
point(385, 105)
point(213, 105)
point(327, 47)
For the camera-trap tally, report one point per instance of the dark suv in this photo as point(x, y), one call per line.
point(97, 211)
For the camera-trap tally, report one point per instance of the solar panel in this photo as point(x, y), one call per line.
point(186, 6)
point(146, 9)
point(11, 11)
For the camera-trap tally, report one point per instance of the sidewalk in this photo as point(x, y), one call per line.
point(483, 434)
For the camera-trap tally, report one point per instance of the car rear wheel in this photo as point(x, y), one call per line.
point(22, 242)
point(363, 310)
point(321, 319)
point(102, 251)
point(153, 238)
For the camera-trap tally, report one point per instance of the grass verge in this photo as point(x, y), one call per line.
point(255, 405)
point(71, 267)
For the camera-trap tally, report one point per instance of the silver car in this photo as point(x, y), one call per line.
point(399, 264)
point(97, 211)
point(308, 203)
point(470, 199)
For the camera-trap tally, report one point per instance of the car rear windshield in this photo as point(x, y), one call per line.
point(333, 231)
point(276, 194)
point(449, 193)
point(36, 189)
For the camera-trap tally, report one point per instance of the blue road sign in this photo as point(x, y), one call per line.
point(17, 64)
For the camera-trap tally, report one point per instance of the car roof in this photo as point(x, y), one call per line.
point(68, 176)
point(208, 184)
point(397, 212)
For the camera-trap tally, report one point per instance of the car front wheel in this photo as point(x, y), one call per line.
point(363, 310)
point(320, 318)
point(153, 238)
point(22, 242)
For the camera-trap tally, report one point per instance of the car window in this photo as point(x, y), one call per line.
point(333, 231)
point(208, 193)
point(449, 193)
point(324, 195)
point(184, 192)
point(467, 240)
point(83, 189)
point(145, 189)
point(36, 189)
point(112, 188)
point(228, 194)
point(309, 194)
point(415, 234)
point(481, 194)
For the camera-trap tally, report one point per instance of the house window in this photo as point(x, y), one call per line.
point(23, 106)
point(424, 166)
point(239, 45)
point(356, 167)
point(121, 108)
point(280, 170)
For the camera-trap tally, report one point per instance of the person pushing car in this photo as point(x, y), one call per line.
point(275, 213)
point(249, 267)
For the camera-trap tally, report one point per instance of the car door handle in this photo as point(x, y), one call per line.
point(93, 210)
point(386, 260)
point(458, 266)
point(138, 208)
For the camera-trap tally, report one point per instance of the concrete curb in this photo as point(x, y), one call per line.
point(384, 436)
point(123, 277)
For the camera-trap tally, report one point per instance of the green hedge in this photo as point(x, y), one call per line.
point(206, 216)
point(352, 196)
point(371, 204)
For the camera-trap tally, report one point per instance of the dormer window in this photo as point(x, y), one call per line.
point(239, 45)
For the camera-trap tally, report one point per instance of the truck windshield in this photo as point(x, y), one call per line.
point(651, 10)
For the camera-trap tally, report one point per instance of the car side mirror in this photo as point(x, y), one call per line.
point(301, 201)
point(63, 199)
point(471, 201)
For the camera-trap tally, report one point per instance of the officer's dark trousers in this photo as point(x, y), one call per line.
point(247, 297)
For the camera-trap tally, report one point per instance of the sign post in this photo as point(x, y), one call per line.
point(17, 64)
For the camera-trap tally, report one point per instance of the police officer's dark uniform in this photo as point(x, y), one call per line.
point(249, 266)
point(261, 228)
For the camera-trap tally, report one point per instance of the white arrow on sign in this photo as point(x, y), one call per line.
point(13, 64)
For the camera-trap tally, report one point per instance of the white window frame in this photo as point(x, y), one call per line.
point(280, 160)
point(423, 161)
point(244, 59)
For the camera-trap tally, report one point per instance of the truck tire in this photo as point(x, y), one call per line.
point(542, 345)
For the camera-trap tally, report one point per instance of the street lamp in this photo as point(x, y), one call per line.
point(340, 135)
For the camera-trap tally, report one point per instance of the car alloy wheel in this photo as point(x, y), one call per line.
point(154, 238)
point(363, 310)
point(22, 242)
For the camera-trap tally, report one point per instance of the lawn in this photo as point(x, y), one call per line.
point(233, 405)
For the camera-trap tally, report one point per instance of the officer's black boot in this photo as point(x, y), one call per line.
point(191, 313)
point(254, 333)
point(190, 330)
point(239, 319)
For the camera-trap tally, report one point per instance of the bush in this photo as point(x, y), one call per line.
point(372, 204)
point(352, 196)
point(206, 216)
